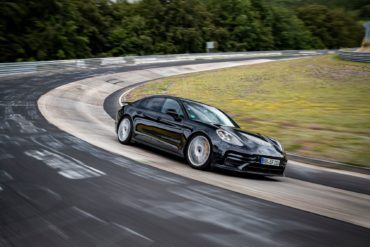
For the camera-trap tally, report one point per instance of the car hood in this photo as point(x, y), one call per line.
point(257, 143)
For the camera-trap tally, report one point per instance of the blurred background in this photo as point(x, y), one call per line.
point(65, 29)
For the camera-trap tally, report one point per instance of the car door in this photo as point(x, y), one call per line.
point(146, 120)
point(171, 133)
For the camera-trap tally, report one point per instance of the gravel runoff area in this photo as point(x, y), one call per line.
point(317, 106)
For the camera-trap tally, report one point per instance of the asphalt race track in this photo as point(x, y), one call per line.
point(58, 190)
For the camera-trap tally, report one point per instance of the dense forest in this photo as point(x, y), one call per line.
point(63, 29)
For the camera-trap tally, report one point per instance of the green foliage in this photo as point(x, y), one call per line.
point(64, 29)
point(365, 12)
point(290, 32)
point(52, 29)
point(332, 27)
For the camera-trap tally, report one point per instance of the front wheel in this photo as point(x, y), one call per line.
point(125, 130)
point(199, 152)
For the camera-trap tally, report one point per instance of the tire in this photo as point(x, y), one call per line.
point(198, 152)
point(124, 131)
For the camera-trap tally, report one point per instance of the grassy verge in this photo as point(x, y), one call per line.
point(318, 107)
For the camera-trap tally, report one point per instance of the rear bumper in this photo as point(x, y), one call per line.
point(249, 163)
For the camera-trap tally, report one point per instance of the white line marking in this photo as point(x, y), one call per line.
point(5, 176)
point(122, 97)
point(67, 156)
point(69, 168)
point(57, 230)
point(88, 215)
point(132, 231)
point(25, 125)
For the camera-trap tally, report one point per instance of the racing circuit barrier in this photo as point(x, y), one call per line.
point(352, 55)
point(48, 66)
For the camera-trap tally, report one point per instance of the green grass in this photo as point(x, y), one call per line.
point(318, 107)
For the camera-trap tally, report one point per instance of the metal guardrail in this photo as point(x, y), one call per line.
point(48, 66)
point(352, 55)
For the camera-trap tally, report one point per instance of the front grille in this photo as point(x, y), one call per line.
point(235, 159)
point(251, 163)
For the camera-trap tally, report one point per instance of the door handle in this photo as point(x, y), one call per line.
point(148, 115)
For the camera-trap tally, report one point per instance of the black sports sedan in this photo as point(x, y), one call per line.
point(204, 135)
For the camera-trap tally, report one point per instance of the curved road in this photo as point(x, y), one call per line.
point(57, 190)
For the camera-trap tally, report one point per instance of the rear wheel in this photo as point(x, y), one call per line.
point(199, 152)
point(124, 130)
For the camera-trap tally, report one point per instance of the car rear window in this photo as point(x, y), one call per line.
point(153, 104)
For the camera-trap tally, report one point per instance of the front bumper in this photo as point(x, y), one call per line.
point(248, 163)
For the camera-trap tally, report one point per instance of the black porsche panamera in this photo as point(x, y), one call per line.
point(204, 135)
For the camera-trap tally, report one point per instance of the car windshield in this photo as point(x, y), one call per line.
point(207, 114)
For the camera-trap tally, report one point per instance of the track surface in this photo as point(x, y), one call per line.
point(120, 202)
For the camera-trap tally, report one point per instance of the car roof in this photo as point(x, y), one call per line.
point(176, 98)
point(186, 100)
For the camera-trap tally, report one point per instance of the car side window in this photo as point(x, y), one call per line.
point(153, 104)
point(172, 104)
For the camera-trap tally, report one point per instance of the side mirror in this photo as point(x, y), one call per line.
point(174, 114)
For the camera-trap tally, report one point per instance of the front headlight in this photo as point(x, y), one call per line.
point(228, 137)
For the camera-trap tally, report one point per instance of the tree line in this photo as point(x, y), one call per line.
point(64, 29)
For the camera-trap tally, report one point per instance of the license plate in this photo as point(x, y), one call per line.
point(270, 162)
